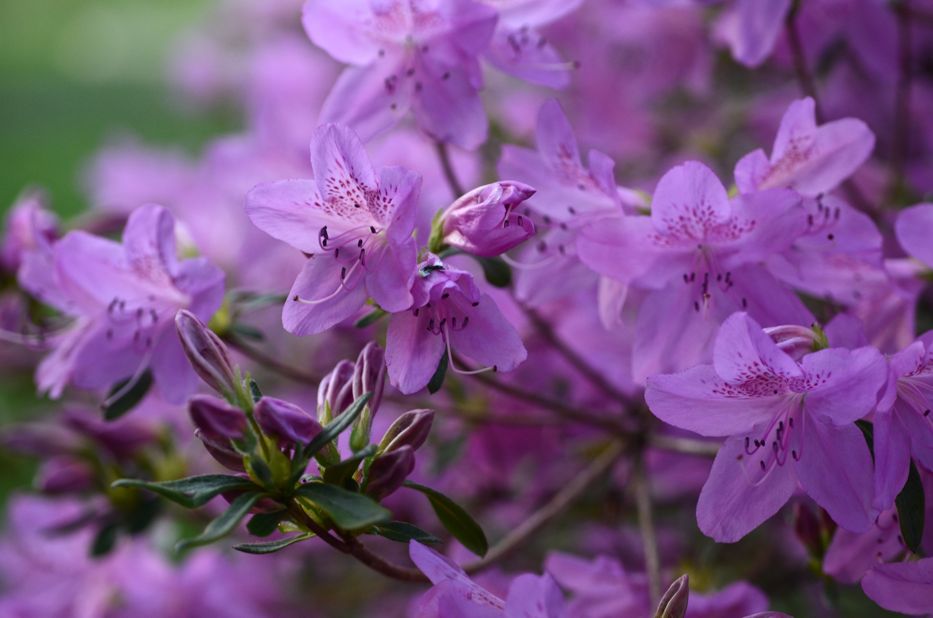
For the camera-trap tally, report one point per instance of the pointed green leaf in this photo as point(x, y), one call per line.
point(123, 397)
point(496, 271)
point(337, 426)
point(404, 532)
point(264, 524)
point(193, 491)
point(246, 331)
point(437, 380)
point(347, 509)
point(270, 547)
point(105, 540)
point(371, 318)
point(225, 523)
point(455, 519)
point(339, 473)
point(910, 510)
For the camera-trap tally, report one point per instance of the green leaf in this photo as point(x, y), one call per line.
point(404, 532)
point(225, 523)
point(264, 524)
point(910, 510)
point(270, 547)
point(437, 380)
point(337, 426)
point(371, 318)
point(348, 510)
point(339, 474)
point(105, 540)
point(496, 271)
point(246, 331)
point(124, 396)
point(193, 491)
point(455, 519)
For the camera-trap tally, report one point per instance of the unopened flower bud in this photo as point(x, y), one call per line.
point(216, 419)
point(674, 602)
point(389, 471)
point(64, 475)
point(369, 374)
point(335, 392)
point(285, 421)
point(808, 530)
point(410, 429)
point(482, 222)
point(797, 341)
point(206, 353)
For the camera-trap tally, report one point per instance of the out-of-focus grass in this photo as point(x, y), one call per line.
point(72, 74)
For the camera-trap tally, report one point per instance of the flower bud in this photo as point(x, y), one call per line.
point(369, 374)
point(674, 602)
point(808, 530)
point(29, 226)
point(206, 353)
point(410, 429)
point(215, 419)
point(335, 392)
point(285, 421)
point(481, 222)
point(389, 471)
point(65, 475)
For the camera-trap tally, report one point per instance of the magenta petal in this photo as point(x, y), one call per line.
point(319, 280)
point(751, 170)
point(533, 596)
point(619, 247)
point(528, 56)
point(448, 106)
point(390, 270)
point(92, 271)
point(914, 230)
point(490, 339)
point(905, 587)
point(412, 351)
point(345, 177)
point(399, 191)
point(698, 400)
point(174, 378)
point(149, 243)
point(292, 211)
point(756, 29)
point(892, 457)
point(730, 505)
point(835, 469)
point(846, 383)
point(743, 351)
point(361, 100)
point(556, 141)
point(688, 199)
point(337, 28)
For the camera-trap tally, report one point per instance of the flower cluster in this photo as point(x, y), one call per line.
point(487, 296)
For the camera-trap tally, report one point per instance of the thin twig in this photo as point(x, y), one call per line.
point(557, 505)
point(642, 494)
point(900, 147)
point(270, 363)
point(804, 76)
point(686, 446)
point(443, 154)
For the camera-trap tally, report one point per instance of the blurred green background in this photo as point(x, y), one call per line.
point(75, 72)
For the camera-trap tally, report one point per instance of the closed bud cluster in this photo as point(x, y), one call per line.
point(674, 602)
point(396, 453)
point(369, 376)
point(217, 423)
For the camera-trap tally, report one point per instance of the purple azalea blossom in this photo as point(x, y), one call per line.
point(455, 594)
point(903, 423)
point(483, 221)
point(517, 48)
point(568, 195)
point(123, 299)
point(850, 555)
point(914, 229)
point(29, 227)
point(405, 55)
point(449, 312)
point(355, 224)
point(808, 158)
point(786, 421)
point(699, 254)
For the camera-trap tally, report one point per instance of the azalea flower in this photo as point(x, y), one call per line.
point(786, 422)
point(700, 256)
point(123, 299)
point(483, 221)
point(405, 55)
point(903, 423)
point(354, 223)
point(449, 312)
point(808, 158)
